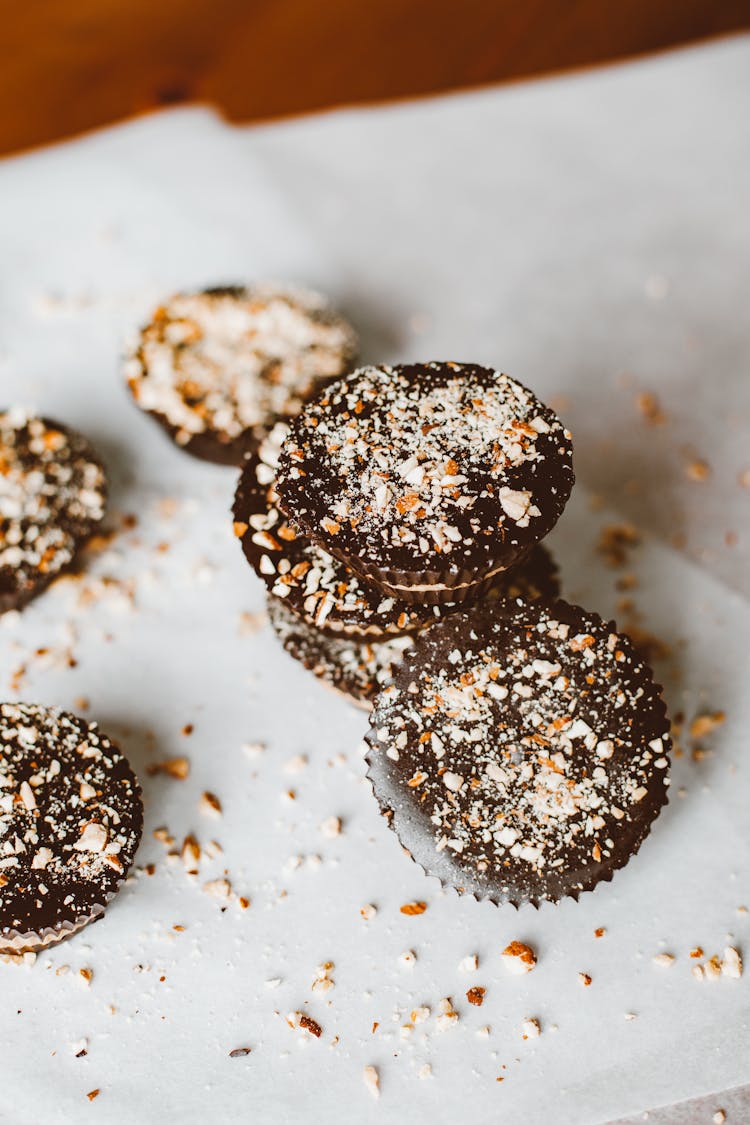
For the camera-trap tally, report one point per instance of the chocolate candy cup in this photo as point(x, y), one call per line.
point(427, 479)
point(521, 758)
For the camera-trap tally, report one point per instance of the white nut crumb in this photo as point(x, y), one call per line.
point(731, 966)
point(531, 1028)
point(719, 1117)
point(368, 911)
point(218, 888)
point(663, 959)
point(425, 1071)
point(697, 971)
point(80, 1047)
point(519, 958)
point(371, 1079)
point(331, 827)
point(253, 749)
point(419, 1015)
point(407, 959)
point(469, 964)
point(295, 764)
point(210, 805)
point(630, 1016)
point(448, 1016)
point(483, 1032)
point(273, 982)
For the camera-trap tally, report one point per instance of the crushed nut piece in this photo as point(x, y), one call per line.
point(706, 723)
point(177, 768)
point(331, 827)
point(476, 995)
point(210, 804)
point(371, 1080)
point(518, 957)
point(530, 1028)
point(584, 979)
point(663, 959)
point(414, 908)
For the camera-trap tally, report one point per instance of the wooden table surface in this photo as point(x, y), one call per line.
point(71, 65)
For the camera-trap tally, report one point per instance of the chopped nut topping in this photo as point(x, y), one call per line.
point(476, 995)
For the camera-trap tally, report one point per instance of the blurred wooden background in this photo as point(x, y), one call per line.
point(70, 65)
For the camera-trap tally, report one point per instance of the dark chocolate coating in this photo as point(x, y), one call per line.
point(71, 817)
point(356, 667)
point(201, 379)
point(54, 496)
point(321, 589)
point(427, 479)
point(521, 758)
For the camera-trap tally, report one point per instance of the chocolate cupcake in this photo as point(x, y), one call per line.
point(323, 590)
point(524, 757)
point(70, 822)
point(355, 667)
point(217, 368)
point(427, 479)
point(53, 495)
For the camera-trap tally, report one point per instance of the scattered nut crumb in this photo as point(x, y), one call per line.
point(238, 1052)
point(295, 764)
point(697, 470)
point(649, 406)
point(368, 911)
point(615, 541)
point(530, 1028)
point(414, 908)
point(518, 957)
point(600, 931)
point(178, 768)
point(371, 1079)
point(663, 959)
point(469, 964)
point(93, 1094)
point(210, 804)
point(425, 1071)
point(706, 723)
point(719, 1117)
point(407, 959)
point(448, 1016)
point(86, 975)
point(584, 979)
point(631, 1016)
point(731, 966)
point(331, 827)
point(476, 995)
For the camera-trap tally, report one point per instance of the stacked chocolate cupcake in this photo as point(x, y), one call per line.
point(395, 497)
point(518, 745)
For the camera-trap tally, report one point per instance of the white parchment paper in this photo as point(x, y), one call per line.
point(591, 236)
